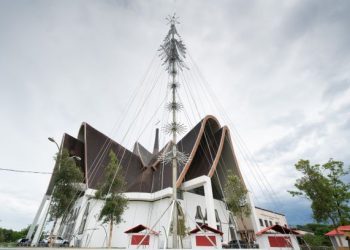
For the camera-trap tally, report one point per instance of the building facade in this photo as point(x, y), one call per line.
point(200, 183)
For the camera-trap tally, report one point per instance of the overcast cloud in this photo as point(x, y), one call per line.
point(281, 70)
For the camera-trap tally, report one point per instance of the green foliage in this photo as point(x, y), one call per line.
point(316, 240)
point(113, 209)
point(111, 190)
point(181, 226)
point(319, 230)
point(9, 235)
point(66, 177)
point(324, 187)
point(236, 196)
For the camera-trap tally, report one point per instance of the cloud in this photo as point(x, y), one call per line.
point(336, 88)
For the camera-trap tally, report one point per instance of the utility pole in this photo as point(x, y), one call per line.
point(172, 53)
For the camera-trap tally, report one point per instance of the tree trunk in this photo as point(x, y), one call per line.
point(51, 233)
point(110, 233)
point(246, 231)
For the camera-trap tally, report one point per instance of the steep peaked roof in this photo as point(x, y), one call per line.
point(339, 231)
point(207, 144)
point(143, 153)
point(140, 228)
point(278, 229)
point(75, 148)
point(205, 227)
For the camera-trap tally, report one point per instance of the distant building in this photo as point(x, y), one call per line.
point(340, 237)
point(278, 237)
point(267, 218)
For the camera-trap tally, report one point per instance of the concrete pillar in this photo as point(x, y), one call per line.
point(39, 230)
point(253, 218)
point(36, 218)
point(209, 202)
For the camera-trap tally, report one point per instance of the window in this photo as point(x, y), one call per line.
point(261, 222)
point(277, 223)
point(232, 227)
point(199, 216)
point(83, 221)
point(270, 223)
point(218, 221)
point(266, 223)
point(217, 216)
point(180, 194)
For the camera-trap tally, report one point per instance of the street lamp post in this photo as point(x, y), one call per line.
point(51, 139)
point(41, 207)
point(46, 198)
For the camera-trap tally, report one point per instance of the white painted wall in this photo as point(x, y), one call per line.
point(146, 209)
point(140, 212)
point(335, 241)
point(269, 216)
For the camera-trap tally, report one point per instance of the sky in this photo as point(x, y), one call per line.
point(279, 69)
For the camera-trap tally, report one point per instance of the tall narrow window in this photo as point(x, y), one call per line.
point(199, 216)
point(266, 223)
point(218, 221)
point(261, 222)
point(232, 227)
point(83, 221)
point(217, 218)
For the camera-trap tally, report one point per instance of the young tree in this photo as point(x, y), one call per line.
point(324, 187)
point(111, 190)
point(66, 176)
point(236, 196)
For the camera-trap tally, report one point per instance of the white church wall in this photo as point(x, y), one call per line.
point(224, 218)
point(190, 203)
point(141, 212)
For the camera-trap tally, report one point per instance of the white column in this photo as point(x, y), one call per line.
point(209, 202)
point(36, 218)
point(253, 218)
point(42, 221)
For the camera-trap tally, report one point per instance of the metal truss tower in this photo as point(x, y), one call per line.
point(173, 53)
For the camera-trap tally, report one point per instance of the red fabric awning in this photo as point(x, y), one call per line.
point(339, 231)
point(279, 229)
point(140, 228)
point(206, 228)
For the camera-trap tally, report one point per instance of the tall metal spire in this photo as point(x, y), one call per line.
point(173, 53)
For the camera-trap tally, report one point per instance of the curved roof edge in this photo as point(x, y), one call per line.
point(218, 154)
point(195, 147)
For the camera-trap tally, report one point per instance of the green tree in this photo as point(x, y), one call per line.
point(317, 234)
point(66, 177)
point(111, 190)
point(327, 192)
point(9, 235)
point(324, 187)
point(236, 195)
point(317, 229)
point(315, 240)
